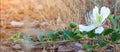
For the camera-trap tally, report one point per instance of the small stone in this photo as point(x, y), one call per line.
point(38, 7)
point(15, 23)
point(64, 49)
point(17, 47)
point(34, 47)
point(43, 23)
point(81, 51)
point(78, 45)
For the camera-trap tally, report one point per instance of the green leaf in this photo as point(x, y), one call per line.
point(77, 31)
point(84, 33)
point(91, 34)
point(60, 31)
point(64, 36)
point(73, 25)
point(117, 17)
point(18, 41)
point(17, 35)
point(54, 37)
point(40, 37)
point(95, 46)
point(107, 31)
point(100, 41)
point(114, 23)
point(102, 44)
point(119, 28)
point(87, 47)
point(111, 16)
point(115, 36)
point(50, 34)
point(27, 37)
point(12, 38)
point(76, 37)
point(68, 34)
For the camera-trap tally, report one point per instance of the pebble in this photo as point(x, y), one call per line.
point(43, 23)
point(64, 49)
point(81, 51)
point(15, 23)
point(78, 45)
point(17, 47)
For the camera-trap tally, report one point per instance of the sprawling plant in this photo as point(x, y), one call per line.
point(93, 32)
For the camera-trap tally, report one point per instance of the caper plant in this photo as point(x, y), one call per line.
point(93, 32)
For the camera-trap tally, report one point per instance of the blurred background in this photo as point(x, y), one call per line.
point(40, 16)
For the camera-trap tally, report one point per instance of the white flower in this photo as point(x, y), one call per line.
point(86, 28)
point(99, 30)
point(15, 23)
point(97, 19)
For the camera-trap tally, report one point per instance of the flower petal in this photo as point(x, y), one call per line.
point(86, 28)
point(95, 12)
point(105, 13)
point(99, 30)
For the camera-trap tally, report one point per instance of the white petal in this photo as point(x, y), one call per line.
point(105, 13)
point(14, 23)
point(95, 12)
point(86, 28)
point(99, 30)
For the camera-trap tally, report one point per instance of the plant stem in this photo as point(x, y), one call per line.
point(62, 41)
point(52, 42)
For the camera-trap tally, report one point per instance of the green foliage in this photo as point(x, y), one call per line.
point(107, 31)
point(77, 31)
point(73, 25)
point(67, 34)
point(40, 37)
point(117, 18)
point(91, 34)
point(111, 16)
point(116, 29)
point(114, 21)
point(27, 37)
point(16, 38)
point(17, 35)
point(75, 35)
point(87, 47)
point(100, 40)
point(119, 28)
point(115, 36)
point(52, 35)
point(60, 31)
point(12, 38)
